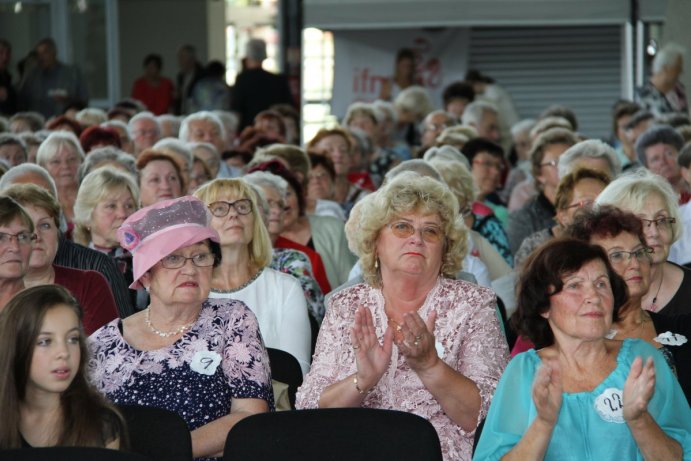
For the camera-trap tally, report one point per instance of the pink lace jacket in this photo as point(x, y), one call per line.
point(468, 338)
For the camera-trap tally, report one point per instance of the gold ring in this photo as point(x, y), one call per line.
point(416, 342)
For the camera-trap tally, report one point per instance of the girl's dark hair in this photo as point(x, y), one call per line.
point(20, 325)
point(542, 278)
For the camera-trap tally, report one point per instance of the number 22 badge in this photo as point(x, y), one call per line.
point(609, 405)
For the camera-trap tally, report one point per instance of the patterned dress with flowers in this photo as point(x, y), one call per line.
point(221, 358)
point(467, 336)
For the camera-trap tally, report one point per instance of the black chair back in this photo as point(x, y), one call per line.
point(334, 434)
point(69, 454)
point(158, 434)
point(286, 369)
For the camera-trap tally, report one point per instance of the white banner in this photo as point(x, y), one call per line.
point(365, 59)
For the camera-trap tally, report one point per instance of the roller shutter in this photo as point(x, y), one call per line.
point(577, 66)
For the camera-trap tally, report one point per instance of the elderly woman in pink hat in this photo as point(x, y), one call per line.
point(182, 344)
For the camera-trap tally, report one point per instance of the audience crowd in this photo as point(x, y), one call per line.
point(524, 288)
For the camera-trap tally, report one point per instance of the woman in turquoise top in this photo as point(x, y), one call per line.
point(580, 396)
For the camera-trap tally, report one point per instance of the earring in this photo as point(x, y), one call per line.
point(376, 264)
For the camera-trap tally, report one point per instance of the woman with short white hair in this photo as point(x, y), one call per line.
point(61, 154)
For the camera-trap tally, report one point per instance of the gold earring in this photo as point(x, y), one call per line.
point(376, 264)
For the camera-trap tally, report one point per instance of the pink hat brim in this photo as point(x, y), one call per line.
point(151, 251)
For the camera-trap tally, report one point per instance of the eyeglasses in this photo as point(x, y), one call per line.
point(641, 255)
point(580, 204)
point(660, 223)
point(430, 234)
point(22, 238)
point(487, 164)
point(221, 208)
point(177, 261)
point(553, 163)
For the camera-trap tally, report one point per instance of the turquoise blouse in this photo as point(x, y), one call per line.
point(590, 425)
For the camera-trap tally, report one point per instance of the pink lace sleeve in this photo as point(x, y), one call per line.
point(332, 358)
point(484, 352)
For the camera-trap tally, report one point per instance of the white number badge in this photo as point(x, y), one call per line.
point(205, 362)
point(610, 405)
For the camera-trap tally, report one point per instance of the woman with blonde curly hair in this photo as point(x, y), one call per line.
point(411, 337)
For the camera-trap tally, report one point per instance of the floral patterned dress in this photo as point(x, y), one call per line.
point(221, 358)
point(468, 338)
point(297, 264)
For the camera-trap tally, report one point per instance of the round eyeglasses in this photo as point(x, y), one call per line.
point(430, 234)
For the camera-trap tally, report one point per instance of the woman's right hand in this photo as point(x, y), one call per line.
point(371, 357)
point(547, 392)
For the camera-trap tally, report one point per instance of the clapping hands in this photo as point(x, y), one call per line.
point(547, 392)
point(372, 358)
point(639, 388)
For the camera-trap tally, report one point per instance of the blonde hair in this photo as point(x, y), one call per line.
point(260, 247)
point(458, 178)
point(96, 187)
point(406, 192)
point(630, 191)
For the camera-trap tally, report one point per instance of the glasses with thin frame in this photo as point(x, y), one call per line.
point(661, 223)
point(222, 208)
point(430, 234)
point(642, 255)
point(177, 261)
point(22, 238)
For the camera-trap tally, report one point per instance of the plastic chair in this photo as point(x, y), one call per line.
point(334, 434)
point(158, 434)
point(69, 454)
point(286, 369)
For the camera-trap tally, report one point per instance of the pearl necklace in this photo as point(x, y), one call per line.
point(165, 334)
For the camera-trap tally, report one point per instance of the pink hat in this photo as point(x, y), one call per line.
point(156, 231)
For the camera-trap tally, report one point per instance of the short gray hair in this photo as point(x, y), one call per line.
point(53, 142)
point(630, 191)
point(523, 126)
point(416, 165)
point(262, 179)
point(205, 116)
point(18, 171)
point(101, 155)
point(473, 113)
point(592, 148)
point(667, 56)
point(447, 153)
point(255, 49)
point(143, 116)
point(177, 147)
point(415, 99)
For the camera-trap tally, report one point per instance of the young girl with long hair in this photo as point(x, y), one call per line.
point(45, 398)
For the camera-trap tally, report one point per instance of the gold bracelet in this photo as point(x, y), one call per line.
point(357, 388)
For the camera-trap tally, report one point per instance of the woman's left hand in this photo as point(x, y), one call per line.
point(416, 341)
point(638, 388)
